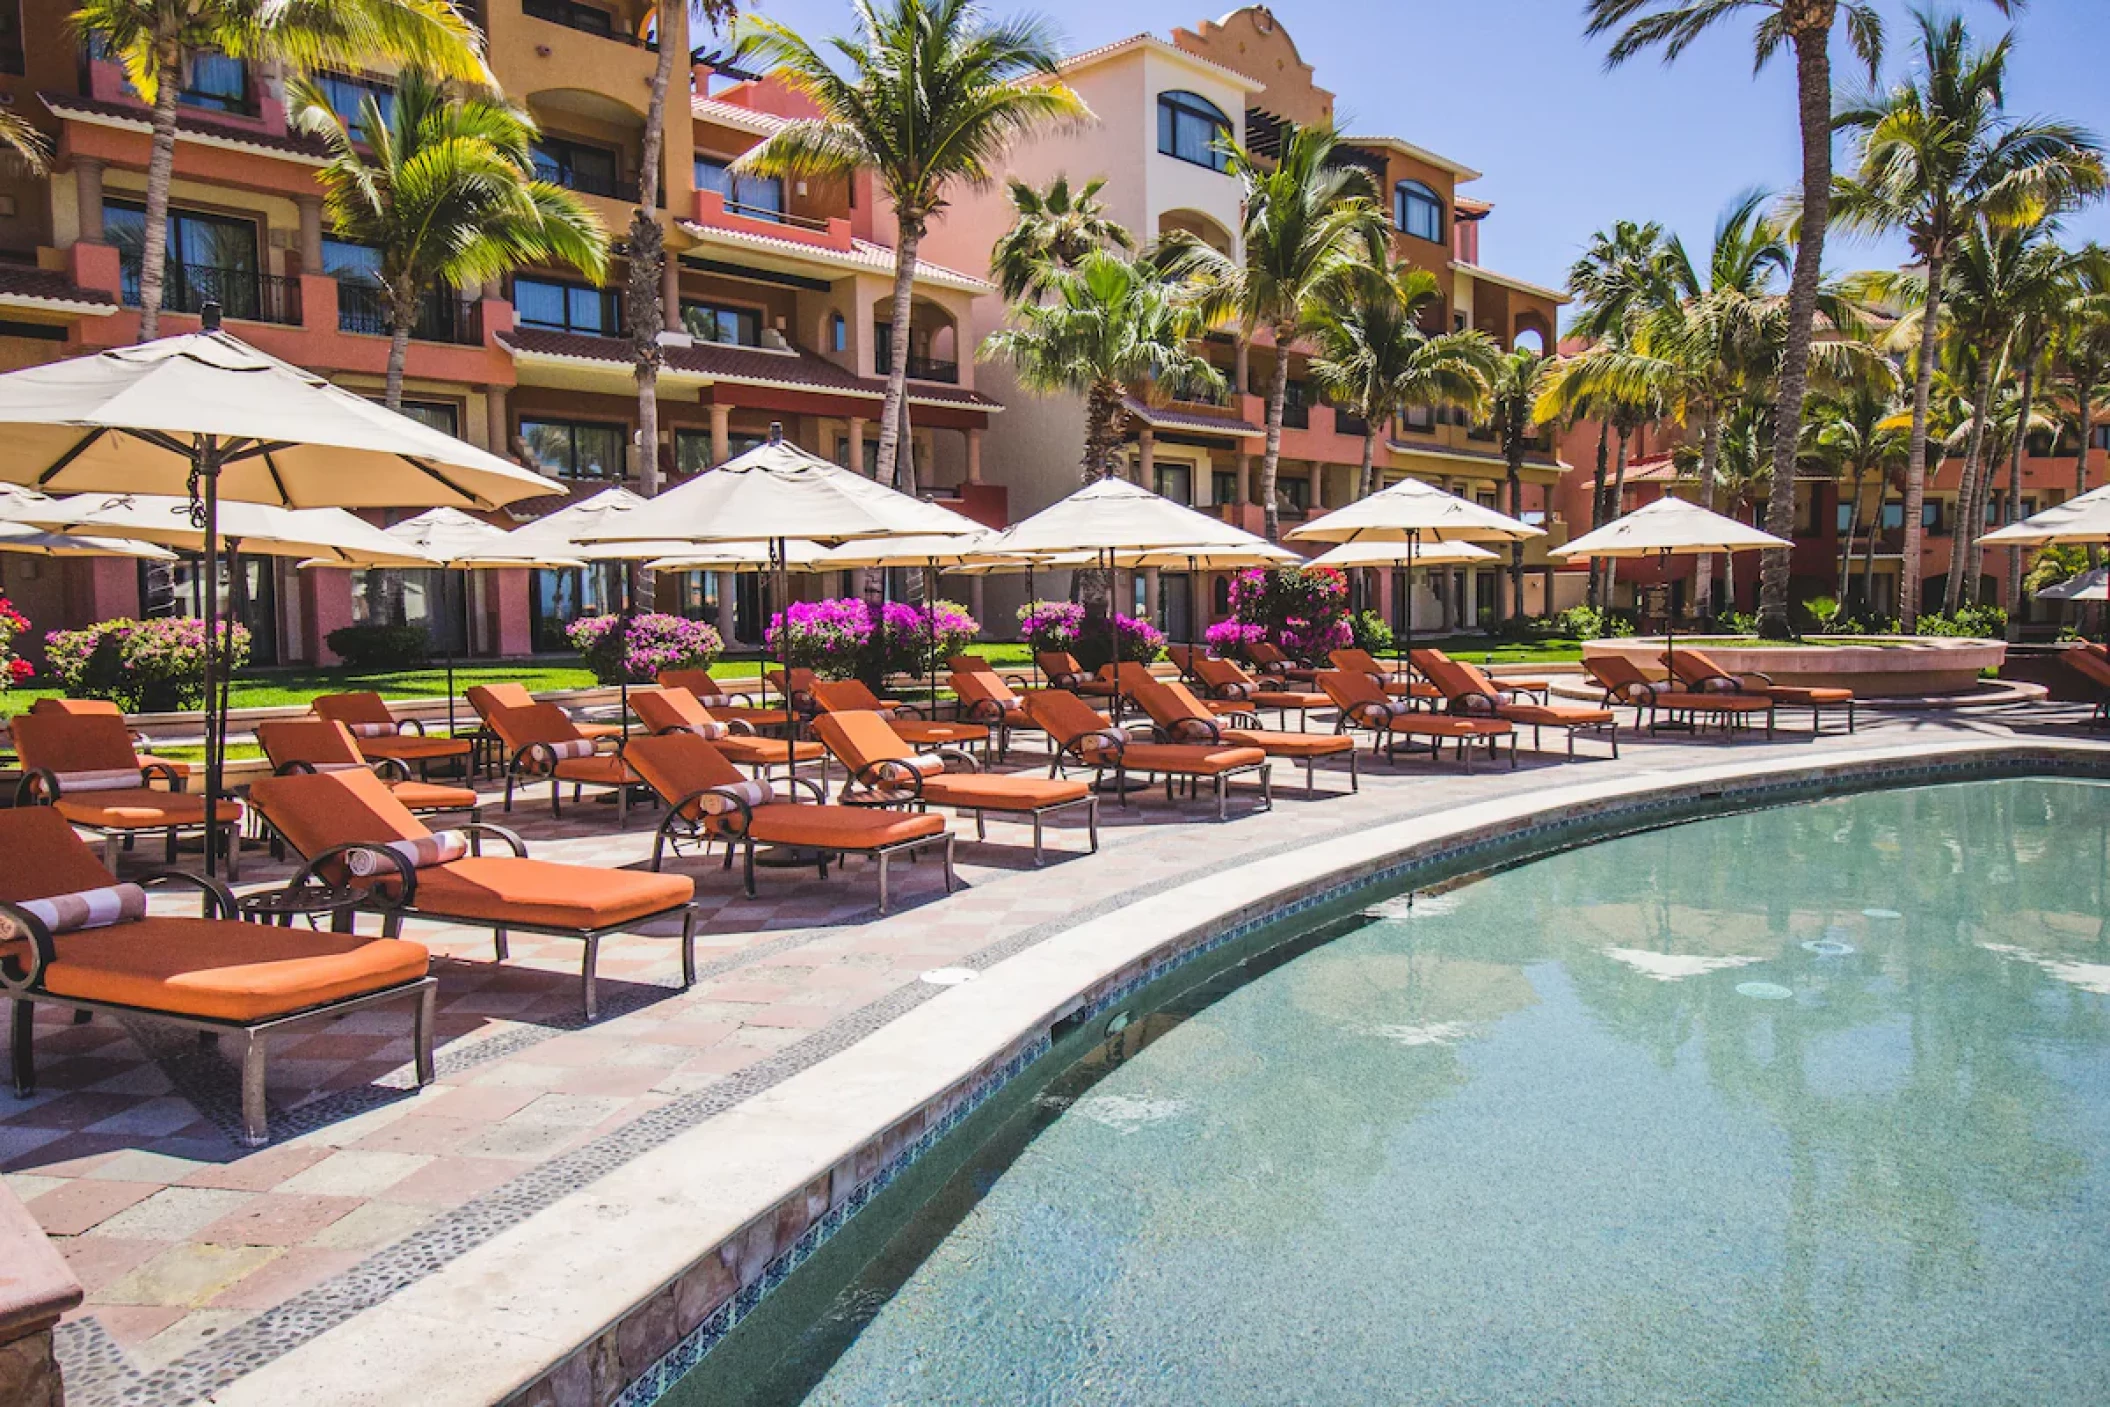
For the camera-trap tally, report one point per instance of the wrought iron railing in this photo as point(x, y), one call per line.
point(241, 293)
point(919, 368)
point(361, 307)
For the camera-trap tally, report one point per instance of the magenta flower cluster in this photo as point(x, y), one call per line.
point(1050, 625)
point(846, 636)
point(654, 642)
point(149, 666)
point(1302, 610)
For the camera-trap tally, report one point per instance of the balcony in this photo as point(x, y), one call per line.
point(919, 368)
point(362, 308)
point(714, 211)
point(585, 19)
point(241, 293)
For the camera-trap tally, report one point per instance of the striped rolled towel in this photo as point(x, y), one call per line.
point(713, 730)
point(371, 730)
point(900, 769)
point(102, 779)
point(570, 748)
point(440, 848)
point(86, 908)
point(720, 800)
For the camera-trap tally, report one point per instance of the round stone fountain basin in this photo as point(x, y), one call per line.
point(1873, 666)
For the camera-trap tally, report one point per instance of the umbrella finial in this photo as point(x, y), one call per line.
point(776, 432)
point(209, 316)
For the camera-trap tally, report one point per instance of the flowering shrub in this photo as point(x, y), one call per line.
point(1230, 639)
point(654, 641)
point(1138, 642)
point(143, 666)
point(13, 671)
point(1050, 625)
point(1303, 610)
point(846, 637)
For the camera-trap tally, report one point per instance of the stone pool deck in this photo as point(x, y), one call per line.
point(570, 1205)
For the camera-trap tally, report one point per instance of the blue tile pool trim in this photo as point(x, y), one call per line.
point(1562, 828)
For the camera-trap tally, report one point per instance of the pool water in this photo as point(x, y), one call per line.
point(1805, 1105)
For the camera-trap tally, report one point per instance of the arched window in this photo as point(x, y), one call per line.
point(1192, 128)
point(1418, 211)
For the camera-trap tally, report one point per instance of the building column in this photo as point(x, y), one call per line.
point(978, 599)
point(857, 445)
point(727, 583)
point(974, 466)
point(721, 434)
point(310, 233)
point(88, 191)
point(1245, 477)
point(1318, 487)
point(670, 288)
point(497, 427)
point(1147, 458)
point(1150, 594)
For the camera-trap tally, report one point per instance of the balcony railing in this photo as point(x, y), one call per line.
point(1195, 393)
point(586, 183)
point(919, 368)
point(363, 308)
point(1296, 417)
point(586, 19)
point(241, 293)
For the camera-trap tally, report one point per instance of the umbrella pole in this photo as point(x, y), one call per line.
point(780, 577)
point(205, 460)
point(462, 578)
point(930, 617)
point(1670, 623)
point(622, 655)
point(1406, 657)
point(1113, 628)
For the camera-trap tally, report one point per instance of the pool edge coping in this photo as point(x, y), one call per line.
point(682, 1242)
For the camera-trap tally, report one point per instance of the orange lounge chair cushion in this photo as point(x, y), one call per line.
point(430, 796)
point(919, 732)
point(1289, 698)
point(1718, 703)
point(225, 971)
point(983, 792)
point(840, 827)
point(1557, 715)
point(1809, 697)
point(602, 769)
point(1276, 744)
point(1189, 759)
point(508, 889)
point(1445, 725)
point(182, 770)
point(765, 752)
point(140, 808)
point(753, 717)
point(409, 747)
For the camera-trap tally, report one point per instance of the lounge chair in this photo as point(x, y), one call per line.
point(1183, 658)
point(341, 823)
point(1398, 684)
point(1702, 675)
point(542, 741)
point(980, 664)
point(915, 728)
point(1272, 661)
point(1542, 687)
point(104, 708)
point(1467, 690)
point(727, 702)
point(324, 745)
point(214, 974)
point(674, 710)
point(884, 770)
point(2089, 662)
point(380, 734)
point(707, 799)
point(1227, 681)
point(1180, 717)
point(1083, 739)
point(995, 704)
point(1364, 705)
point(1623, 682)
point(84, 766)
point(1064, 672)
point(487, 698)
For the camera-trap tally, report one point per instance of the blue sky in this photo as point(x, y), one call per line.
point(1512, 88)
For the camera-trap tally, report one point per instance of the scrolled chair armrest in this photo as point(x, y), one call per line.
point(735, 821)
point(958, 755)
point(477, 830)
point(16, 974)
point(298, 767)
point(534, 760)
point(741, 727)
point(390, 769)
point(812, 788)
point(411, 725)
point(876, 781)
point(1643, 691)
point(39, 787)
point(1475, 703)
point(217, 899)
point(1113, 746)
point(987, 712)
point(1017, 682)
point(161, 770)
point(1193, 730)
point(914, 710)
point(317, 869)
point(1744, 678)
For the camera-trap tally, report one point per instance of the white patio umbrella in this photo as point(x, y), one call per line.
point(32, 542)
point(208, 417)
point(1113, 517)
point(2081, 521)
point(1413, 513)
point(2091, 585)
point(1669, 527)
point(329, 535)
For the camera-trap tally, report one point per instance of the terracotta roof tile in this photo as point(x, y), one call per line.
point(752, 365)
point(130, 115)
point(24, 281)
point(1167, 418)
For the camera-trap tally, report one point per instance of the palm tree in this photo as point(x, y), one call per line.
point(1610, 281)
point(1052, 229)
point(1741, 472)
point(1936, 155)
point(442, 188)
point(1846, 433)
point(1307, 220)
point(1518, 381)
point(157, 41)
point(1376, 357)
point(25, 141)
point(934, 93)
point(1805, 26)
point(2081, 354)
point(1112, 322)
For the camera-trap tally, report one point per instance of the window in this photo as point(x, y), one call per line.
point(219, 83)
point(838, 333)
point(560, 597)
point(585, 18)
point(1996, 508)
point(758, 197)
point(1420, 419)
point(1292, 495)
point(571, 449)
point(209, 257)
point(1418, 211)
point(11, 56)
point(1176, 482)
point(713, 322)
point(443, 416)
point(1191, 128)
point(1223, 486)
point(871, 464)
point(567, 307)
point(576, 166)
point(2099, 437)
point(1296, 406)
point(692, 449)
point(347, 97)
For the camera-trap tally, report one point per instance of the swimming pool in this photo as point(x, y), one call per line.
point(1803, 1105)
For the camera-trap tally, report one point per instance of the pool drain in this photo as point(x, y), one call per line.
point(1763, 991)
point(1881, 913)
point(1828, 947)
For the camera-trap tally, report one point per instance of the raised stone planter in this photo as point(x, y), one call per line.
point(1873, 666)
point(35, 1289)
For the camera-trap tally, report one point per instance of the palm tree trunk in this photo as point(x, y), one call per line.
point(1703, 566)
point(1916, 456)
point(161, 171)
point(1597, 518)
point(1868, 558)
point(1369, 479)
point(648, 253)
point(1970, 518)
point(402, 315)
point(1853, 526)
point(1514, 454)
point(1271, 457)
point(2085, 390)
point(2013, 508)
point(911, 227)
point(1612, 506)
point(1813, 99)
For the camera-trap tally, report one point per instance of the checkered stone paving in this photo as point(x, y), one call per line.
point(203, 1260)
